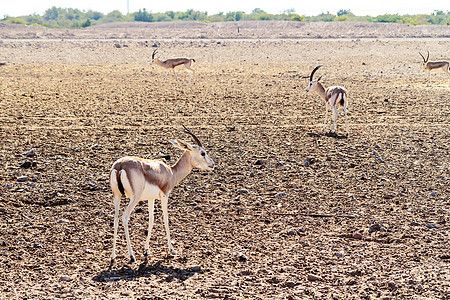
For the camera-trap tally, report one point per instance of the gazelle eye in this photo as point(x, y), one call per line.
point(202, 153)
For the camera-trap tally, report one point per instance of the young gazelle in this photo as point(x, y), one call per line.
point(333, 95)
point(434, 65)
point(170, 64)
point(144, 179)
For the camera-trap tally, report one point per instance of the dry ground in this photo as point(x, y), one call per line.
point(368, 215)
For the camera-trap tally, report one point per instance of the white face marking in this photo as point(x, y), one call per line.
point(201, 159)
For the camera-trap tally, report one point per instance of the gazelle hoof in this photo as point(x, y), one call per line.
point(132, 259)
point(173, 252)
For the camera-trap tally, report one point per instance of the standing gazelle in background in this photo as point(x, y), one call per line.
point(333, 95)
point(144, 179)
point(434, 66)
point(170, 64)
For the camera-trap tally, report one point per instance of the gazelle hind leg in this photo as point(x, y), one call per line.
point(151, 220)
point(134, 196)
point(333, 125)
point(116, 225)
point(164, 204)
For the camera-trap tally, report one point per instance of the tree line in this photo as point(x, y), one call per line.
point(56, 17)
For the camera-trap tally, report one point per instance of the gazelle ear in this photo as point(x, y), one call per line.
point(321, 77)
point(181, 145)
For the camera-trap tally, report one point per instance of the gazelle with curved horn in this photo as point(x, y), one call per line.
point(333, 95)
point(434, 65)
point(144, 179)
point(170, 64)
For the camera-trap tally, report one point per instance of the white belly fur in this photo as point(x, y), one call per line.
point(150, 192)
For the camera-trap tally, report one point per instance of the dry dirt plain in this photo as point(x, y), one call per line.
point(288, 213)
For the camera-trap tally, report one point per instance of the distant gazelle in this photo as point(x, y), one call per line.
point(170, 64)
point(333, 95)
point(434, 65)
point(144, 179)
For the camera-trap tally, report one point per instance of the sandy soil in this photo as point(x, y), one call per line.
point(288, 213)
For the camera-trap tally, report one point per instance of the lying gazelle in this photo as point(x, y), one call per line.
point(434, 65)
point(170, 64)
point(143, 179)
point(333, 95)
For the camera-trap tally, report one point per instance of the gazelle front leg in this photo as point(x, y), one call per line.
point(326, 111)
point(151, 219)
point(167, 72)
point(191, 74)
point(174, 73)
point(164, 204)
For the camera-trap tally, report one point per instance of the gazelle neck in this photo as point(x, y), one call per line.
point(321, 91)
point(182, 167)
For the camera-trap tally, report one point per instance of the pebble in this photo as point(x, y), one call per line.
point(357, 236)
point(431, 225)
point(309, 161)
point(30, 153)
point(312, 277)
point(88, 251)
point(259, 162)
point(22, 179)
point(63, 221)
point(196, 268)
point(64, 278)
point(376, 227)
point(9, 186)
point(26, 164)
point(433, 194)
point(242, 257)
point(280, 194)
point(290, 284)
point(291, 232)
point(413, 224)
point(242, 191)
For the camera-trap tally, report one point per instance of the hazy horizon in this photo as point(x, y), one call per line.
point(360, 8)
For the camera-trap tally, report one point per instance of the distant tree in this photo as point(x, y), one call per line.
point(143, 16)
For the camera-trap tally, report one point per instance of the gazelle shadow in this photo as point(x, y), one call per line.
point(329, 134)
point(128, 273)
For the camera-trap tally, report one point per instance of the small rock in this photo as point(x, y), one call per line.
point(242, 257)
point(433, 194)
point(280, 194)
point(312, 277)
point(291, 232)
point(26, 164)
point(30, 153)
point(195, 269)
point(63, 221)
point(9, 186)
point(413, 224)
point(357, 236)
point(431, 225)
point(242, 191)
point(64, 278)
point(259, 162)
point(3, 243)
point(88, 251)
point(309, 161)
point(37, 245)
point(22, 179)
point(290, 284)
point(376, 227)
